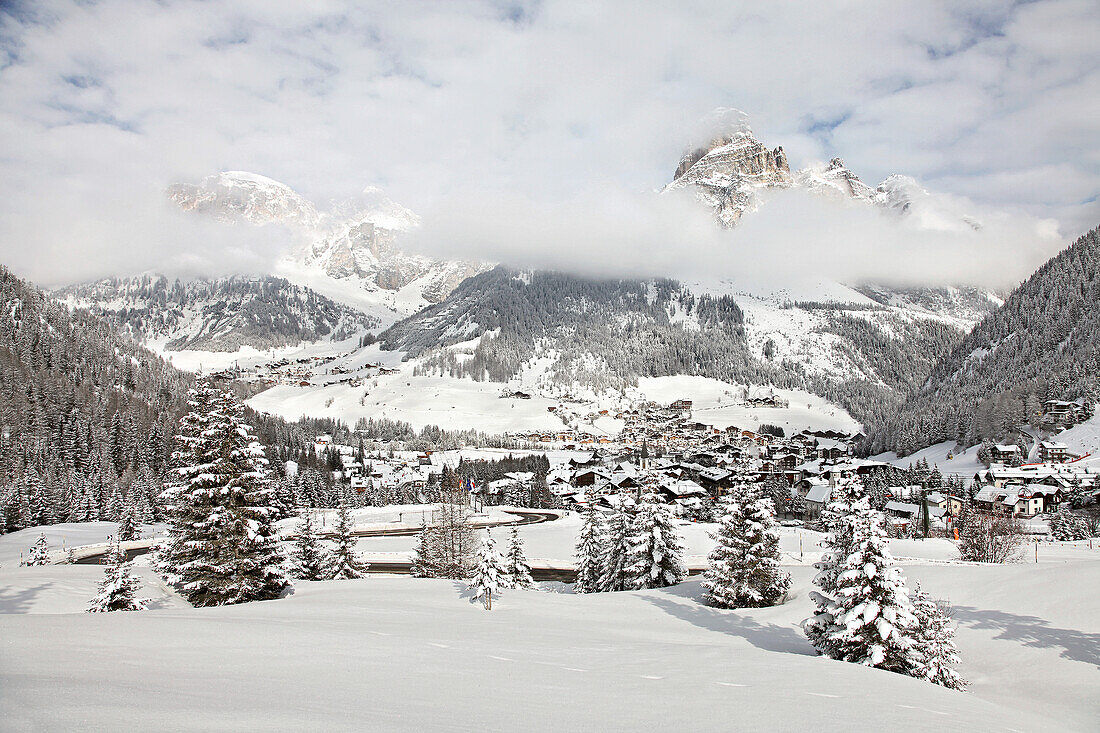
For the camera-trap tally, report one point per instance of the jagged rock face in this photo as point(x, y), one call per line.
point(727, 173)
point(730, 172)
point(835, 179)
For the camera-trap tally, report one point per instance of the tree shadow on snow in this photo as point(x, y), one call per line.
point(769, 637)
point(1033, 631)
point(19, 601)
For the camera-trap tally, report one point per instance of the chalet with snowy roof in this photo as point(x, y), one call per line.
point(816, 499)
point(1051, 452)
point(1013, 500)
point(1006, 454)
point(1061, 412)
point(715, 480)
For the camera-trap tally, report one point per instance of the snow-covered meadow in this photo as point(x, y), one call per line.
point(401, 653)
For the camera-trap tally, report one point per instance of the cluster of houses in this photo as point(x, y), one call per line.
point(687, 462)
point(1026, 491)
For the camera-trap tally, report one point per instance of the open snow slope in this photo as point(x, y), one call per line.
point(963, 463)
point(389, 653)
point(409, 654)
point(453, 403)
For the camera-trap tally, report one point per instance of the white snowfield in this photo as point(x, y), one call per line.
point(456, 404)
point(401, 653)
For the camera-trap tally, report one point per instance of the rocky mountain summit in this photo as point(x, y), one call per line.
point(731, 172)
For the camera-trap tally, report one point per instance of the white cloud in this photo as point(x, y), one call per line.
point(560, 104)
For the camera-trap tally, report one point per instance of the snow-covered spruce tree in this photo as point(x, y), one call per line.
point(837, 519)
point(118, 587)
point(39, 553)
point(128, 529)
point(591, 551)
point(616, 548)
point(1068, 526)
point(426, 555)
point(936, 652)
point(488, 573)
point(346, 565)
point(310, 560)
point(655, 555)
point(222, 547)
point(515, 564)
point(868, 617)
point(744, 565)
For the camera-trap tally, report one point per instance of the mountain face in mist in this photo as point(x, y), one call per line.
point(732, 173)
point(221, 314)
point(355, 242)
point(1041, 344)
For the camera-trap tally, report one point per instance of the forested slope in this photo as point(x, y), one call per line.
point(1043, 343)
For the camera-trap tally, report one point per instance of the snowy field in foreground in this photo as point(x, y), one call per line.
point(399, 653)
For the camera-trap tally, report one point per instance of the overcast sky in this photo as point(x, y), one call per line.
point(558, 109)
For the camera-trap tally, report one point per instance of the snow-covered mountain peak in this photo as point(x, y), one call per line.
point(233, 196)
point(728, 171)
point(354, 241)
point(731, 171)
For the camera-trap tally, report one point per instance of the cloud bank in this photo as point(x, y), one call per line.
point(794, 235)
point(559, 104)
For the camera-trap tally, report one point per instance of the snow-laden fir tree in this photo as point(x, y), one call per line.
point(128, 529)
point(518, 571)
point(619, 530)
point(937, 655)
point(655, 555)
point(744, 567)
point(591, 551)
point(118, 588)
point(837, 519)
point(310, 560)
point(39, 553)
point(425, 563)
point(488, 573)
point(222, 546)
point(1068, 526)
point(867, 617)
point(346, 565)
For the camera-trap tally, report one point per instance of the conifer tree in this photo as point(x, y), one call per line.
point(655, 555)
point(868, 617)
point(518, 572)
point(222, 546)
point(744, 568)
point(118, 587)
point(39, 553)
point(426, 555)
point(937, 655)
point(617, 549)
point(346, 565)
point(128, 529)
point(311, 560)
point(488, 572)
point(591, 552)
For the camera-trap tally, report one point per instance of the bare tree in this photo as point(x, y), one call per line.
point(989, 537)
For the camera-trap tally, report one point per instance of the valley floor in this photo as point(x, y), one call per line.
point(399, 653)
